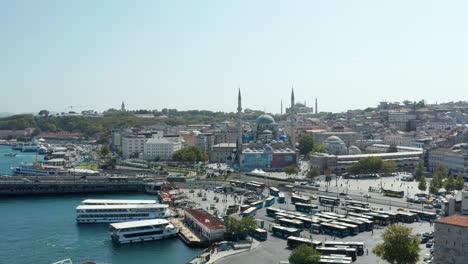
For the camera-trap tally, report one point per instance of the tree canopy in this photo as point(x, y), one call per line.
point(418, 172)
point(399, 246)
point(291, 169)
point(422, 185)
point(241, 227)
point(304, 254)
point(306, 144)
point(367, 165)
point(459, 183)
point(313, 172)
point(190, 154)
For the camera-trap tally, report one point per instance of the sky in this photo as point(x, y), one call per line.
point(196, 54)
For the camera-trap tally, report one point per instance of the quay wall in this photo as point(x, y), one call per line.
point(35, 188)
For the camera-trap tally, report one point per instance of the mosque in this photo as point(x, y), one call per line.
point(265, 146)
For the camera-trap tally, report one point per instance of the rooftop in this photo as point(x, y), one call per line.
point(457, 220)
point(205, 218)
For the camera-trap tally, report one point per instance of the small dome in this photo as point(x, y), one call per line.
point(353, 150)
point(267, 147)
point(264, 120)
point(333, 139)
point(267, 131)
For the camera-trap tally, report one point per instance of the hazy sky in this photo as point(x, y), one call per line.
point(194, 54)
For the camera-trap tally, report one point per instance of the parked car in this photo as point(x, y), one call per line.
point(429, 244)
point(342, 194)
point(428, 206)
point(427, 257)
point(367, 196)
point(424, 240)
point(347, 197)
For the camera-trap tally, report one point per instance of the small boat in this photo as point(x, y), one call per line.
point(10, 155)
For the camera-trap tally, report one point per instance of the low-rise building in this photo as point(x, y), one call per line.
point(220, 153)
point(451, 240)
point(161, 148)
point(133, 146)
point(206, 225)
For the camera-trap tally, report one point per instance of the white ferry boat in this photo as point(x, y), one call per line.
point(116, 202)
point(120, 212)
point(144, 230)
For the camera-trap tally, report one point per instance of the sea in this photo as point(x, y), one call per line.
point(43, 229)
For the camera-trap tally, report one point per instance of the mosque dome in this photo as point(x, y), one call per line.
point(353, 150)
point(333, 139)
point(264, 120)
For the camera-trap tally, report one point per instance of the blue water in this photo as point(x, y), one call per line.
point(43, 229)
point(21, 157)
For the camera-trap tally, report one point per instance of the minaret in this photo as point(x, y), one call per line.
point(122, 107)
point(281, 106)
point(239, 124)
point(316, 105)
point(293, 121)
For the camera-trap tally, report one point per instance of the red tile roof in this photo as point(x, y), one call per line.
point(457, 220)
point(205, 218)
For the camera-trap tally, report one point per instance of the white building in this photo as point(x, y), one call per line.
point(161, 148)
point(133, 146)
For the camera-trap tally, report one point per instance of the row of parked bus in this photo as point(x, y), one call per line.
point(251, 209)
point(348, 249)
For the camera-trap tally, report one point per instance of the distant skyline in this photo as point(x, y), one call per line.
point(195, 54)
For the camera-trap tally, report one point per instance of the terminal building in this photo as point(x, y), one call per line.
point(451, 239)
point(206, 225)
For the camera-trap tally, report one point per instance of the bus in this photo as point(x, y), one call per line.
point(253, 186)
point(357, 204)
point(261, 184)
point(291, 223)
point(424, 215)
point(335, 259)
point(334, 229)
point(406, 217)
point(379, 219)
point(359, 246)
point(285, 232)
point(299, 199)
point(352, 228)
point(237, 183)
point(392, 193)
point(281, 198)
point(325, 216)
point(330, 201)
point(392, 216)
point(358, 210)
point(260, 234)
point(293, 242)
point(269, 201)
point(257, 204)
point(274, 191)
point(334, 214)
point(307, 221)
point(252, 211)
point(360, 224)
point(284, 214)
point(271, 212)
point(306, 208)
point(368, 225)
point(349, 252)
point(364, 216)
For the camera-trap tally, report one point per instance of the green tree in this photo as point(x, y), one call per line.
point(433, 186)
point(422, 185)
point(241, 227)
point(291, 169)
point(450, 184)
point(418, 172)
point(421, 104)
point(44, 113)
point(306, 144)
point(319, 148)
point(190, 154)
point(442, 171)
point(389, 166)
point(304, 254)
point(104, 151)
point(399, 246)
point(313, 172)
point(459, 183)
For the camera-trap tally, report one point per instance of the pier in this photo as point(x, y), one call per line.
point(189, 238)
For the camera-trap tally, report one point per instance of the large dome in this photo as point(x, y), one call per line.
point(264, 120)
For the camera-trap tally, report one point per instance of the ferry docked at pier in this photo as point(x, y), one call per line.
point(114, 213)
point(144, 230)
point(116, 202)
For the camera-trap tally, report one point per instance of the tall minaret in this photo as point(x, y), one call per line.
point(122, 107)
point(281, 106)
point(293, 121)
point(239, 124)
point(316, 105)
